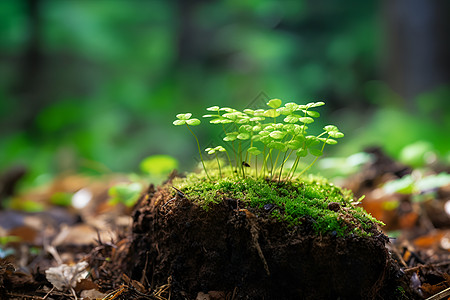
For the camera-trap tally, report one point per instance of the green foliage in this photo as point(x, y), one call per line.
point(185, 119)
point(293, 201)
point(266, 137)
point(410, 185)
point(125, 193)
point(418, 154)
point(61, 198)
point(125, 70)
point(158, 165)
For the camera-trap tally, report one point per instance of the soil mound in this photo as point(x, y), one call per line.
point(244, 253)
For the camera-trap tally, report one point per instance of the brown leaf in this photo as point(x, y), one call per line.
point(429, 240)
point(86, 284)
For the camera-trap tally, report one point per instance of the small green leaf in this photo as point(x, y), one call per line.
point(256, 138)
point(292, 118)
point(257, 119)
point(243, 120)
point(328, 141)
point(179, 122)
point(226, 121)
point(271, 113)
point(227, 109)
point(259, 112)
point(217, 121)
point(209, 116)
point(249, 111)
point(288, 108)
point(292, 129)
point(266, 139)
point(213, 108)
point(158, 164)
point(245, 128)
point(243, 136)
point(336, 134)
point(312, 140)
point(329, 128)
point(253, 151)
point(210, 150)
point(291, 106)
point(185, 116)
point(278, 125)
point(300, 138)
point(127, 194)
point(274, 103)
point(232, 115)
point(302, 152)
point(193, 122)
point(256, 128)
point(315, 152)
point(277, 145)
point(220, 149)
point(231, 136)
point(313, 114)
point(314, 104)
point(278, 135)
point(306, 120)
point(269, 128)
point(294, 144)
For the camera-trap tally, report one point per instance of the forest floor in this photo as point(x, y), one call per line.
point(62, 252)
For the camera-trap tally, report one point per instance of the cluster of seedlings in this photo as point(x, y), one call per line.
point(273, 135)
point(258, 145)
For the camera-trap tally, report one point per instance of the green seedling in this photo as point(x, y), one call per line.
point(125, 193)
point(185, 119)
point(274, 134)
point(214, 151)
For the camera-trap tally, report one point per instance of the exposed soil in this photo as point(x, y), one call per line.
point(246, 254)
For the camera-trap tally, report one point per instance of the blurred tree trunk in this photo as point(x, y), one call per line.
point(30, 69)
point(417, 47)
point(187, 30)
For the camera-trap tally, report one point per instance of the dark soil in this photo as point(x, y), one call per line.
point(246, 254)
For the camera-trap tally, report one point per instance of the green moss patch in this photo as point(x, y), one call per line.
point(313, 200)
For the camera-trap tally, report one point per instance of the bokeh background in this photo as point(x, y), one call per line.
point(94, 85)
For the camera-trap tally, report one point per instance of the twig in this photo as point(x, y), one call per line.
point(441, 295)
point(24, 296)
point(399, 256)
point(427, 266)
point(234, 293)
point(48, 294)
point(74, 294)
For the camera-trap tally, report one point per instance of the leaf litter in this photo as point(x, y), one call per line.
point(93, 267)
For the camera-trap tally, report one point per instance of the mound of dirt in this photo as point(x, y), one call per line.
point(244, 253)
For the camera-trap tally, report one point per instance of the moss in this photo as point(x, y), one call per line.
point(293, 202)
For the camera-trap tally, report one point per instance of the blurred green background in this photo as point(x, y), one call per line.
point(94, 85)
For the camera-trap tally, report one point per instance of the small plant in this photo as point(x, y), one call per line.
point(185, 119)
point(214, 151)
point(272, 134)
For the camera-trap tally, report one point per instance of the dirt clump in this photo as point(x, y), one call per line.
point(245, 253)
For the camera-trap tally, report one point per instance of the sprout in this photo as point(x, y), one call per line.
point(214, 151)
point(277, 141)
point(185, 119)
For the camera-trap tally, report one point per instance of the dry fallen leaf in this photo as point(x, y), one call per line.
point(64, 276)
point(92, 294)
